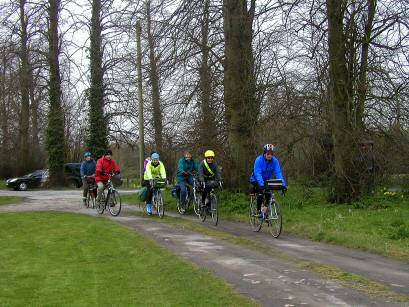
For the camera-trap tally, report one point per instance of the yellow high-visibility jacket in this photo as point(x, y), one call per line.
point(152, 172)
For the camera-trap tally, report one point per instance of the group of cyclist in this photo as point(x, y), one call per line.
point(266, 166)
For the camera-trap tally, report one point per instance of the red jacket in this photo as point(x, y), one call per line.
point(106, 166)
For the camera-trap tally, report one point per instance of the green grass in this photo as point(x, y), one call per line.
point(3, 185)
point(378, 223)
point(60, 259)
point(5, 200)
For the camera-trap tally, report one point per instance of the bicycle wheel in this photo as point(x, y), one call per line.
point(160, 209)
point(197, 201)
point(90, 201)
point(214, 209)
point(180, 207)
point(114, 203)
point(100, 205)
point(275, 219)
point(255, 221)
point(202, 212)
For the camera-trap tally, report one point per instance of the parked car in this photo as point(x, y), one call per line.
point(39, 177)
point(72, 174)
point(32, 180)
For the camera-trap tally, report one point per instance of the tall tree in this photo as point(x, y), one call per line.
point(55, 130)
point(154, 78)
point(347, 92)
point(140, 99)
point(242, 107)
point(24, 119)
point(98, 139)
point(208, 129)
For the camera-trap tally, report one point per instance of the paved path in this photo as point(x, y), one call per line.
point(270, 281)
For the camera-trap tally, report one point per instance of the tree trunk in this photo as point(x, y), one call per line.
point(5, 169)
point(55, 130)
point(154, 77)
point(140, 100)
point(98, 138)
point(36, 156)
point(343, 132)
point(23, 164)
point(242, 107)
point(208, 128)
point(362, 77)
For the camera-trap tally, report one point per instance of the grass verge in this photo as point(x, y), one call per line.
point(5, 200)
point(61, 259)
point(346, 279)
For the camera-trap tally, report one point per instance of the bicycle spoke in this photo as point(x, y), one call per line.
point(214, 209)
point(114, 203)
point(255, 221)
point(275, 219)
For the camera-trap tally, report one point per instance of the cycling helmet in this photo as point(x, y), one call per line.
point(87, 154)
point(268, 147)
point(209, 153)
point(155, 156)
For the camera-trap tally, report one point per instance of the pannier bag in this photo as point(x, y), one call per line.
point(116, 180)
point(212, 184)
point(143, 194)
point(159, 183)
point(176, 191)
point(274, 184)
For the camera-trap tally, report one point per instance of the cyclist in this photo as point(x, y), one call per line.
point(154, 169)
point(147, 159)
point(265, 166)
point(186, 167)
point(208, 171)
point(87, 169)
point(105, 166)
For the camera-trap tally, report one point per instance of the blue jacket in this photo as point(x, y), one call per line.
point(88, 168)
point(186, 166)
point(264, 170)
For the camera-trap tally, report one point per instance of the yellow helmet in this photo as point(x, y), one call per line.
point(209, 153)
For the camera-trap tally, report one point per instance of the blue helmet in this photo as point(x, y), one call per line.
point(87, 154)
point(155, 156)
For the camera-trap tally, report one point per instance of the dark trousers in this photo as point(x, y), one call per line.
point(205, 193)
point(260, 194)
point(183, 188)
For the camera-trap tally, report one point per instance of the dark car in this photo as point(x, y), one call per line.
point(32, 180)
point(72, 174)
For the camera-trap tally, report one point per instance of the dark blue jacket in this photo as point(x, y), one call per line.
point(186, 166)
point(88, 168)
point(264, 170)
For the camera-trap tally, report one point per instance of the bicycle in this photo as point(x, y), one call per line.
point(92, 192)
point(112, 201)
point(192, 196)
point(270, 212)
point(212, 198)
point(157, 197)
